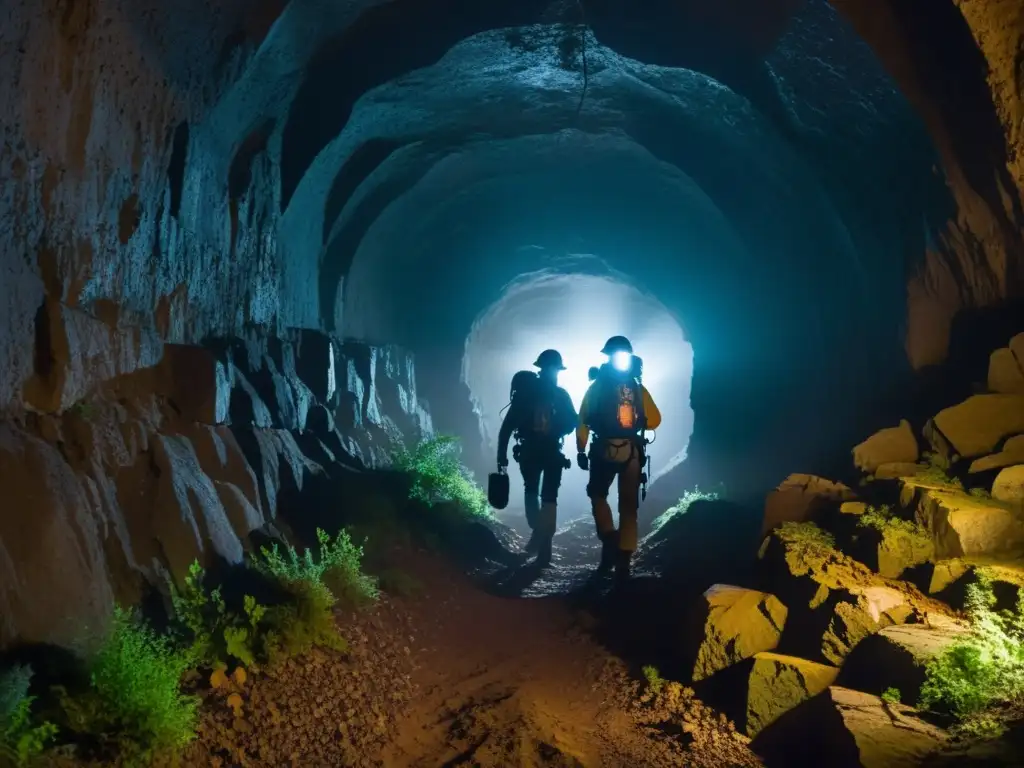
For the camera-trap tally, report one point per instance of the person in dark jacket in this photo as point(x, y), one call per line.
point(540, 415)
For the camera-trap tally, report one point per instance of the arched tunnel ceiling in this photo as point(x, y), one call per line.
point(761, 89)
point(750, 164)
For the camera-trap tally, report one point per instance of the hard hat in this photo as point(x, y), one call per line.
point(549, 358)
point(617, 344)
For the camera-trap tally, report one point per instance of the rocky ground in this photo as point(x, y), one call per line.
point(452, 675)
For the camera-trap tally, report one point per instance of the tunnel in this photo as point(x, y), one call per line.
point(269, 269)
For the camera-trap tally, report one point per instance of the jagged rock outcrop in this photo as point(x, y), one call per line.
point(182, 460)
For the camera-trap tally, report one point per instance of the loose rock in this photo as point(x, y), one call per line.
point(841, 728)
point(734, 624)
point(779, 683)
point(887, 446)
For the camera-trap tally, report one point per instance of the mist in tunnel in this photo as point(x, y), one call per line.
point(575, 314)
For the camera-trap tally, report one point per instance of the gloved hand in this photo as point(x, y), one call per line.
point(502, 462)
point(582, 461)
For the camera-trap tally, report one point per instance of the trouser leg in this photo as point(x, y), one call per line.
point(601, 477)
point(531, 472)
point(547, 520)
point(629, 503)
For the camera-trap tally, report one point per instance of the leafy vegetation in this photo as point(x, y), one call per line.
point(937, 472)
point(885, 521)
point(983, 669)
point(806, 535)
point(135, 702)
point(217, 635)
point(21, 740)
point(316, 585)
point(439, 476)
point(892, 696)
point(655, 682)
point(682, 506)
point(134, 705)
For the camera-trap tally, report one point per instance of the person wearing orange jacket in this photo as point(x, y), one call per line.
point(616, 411)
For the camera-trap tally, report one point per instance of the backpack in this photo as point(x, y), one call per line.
point(618, 411)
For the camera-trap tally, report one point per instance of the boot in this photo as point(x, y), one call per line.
point(623, 563)
point(609, 548)
point(543, 552)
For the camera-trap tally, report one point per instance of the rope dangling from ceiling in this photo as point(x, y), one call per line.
point(583, 54)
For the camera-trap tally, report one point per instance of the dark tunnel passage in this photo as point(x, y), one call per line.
point(729, 213)
point(270, 268)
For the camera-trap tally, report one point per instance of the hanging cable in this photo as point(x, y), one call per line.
point(583, 54)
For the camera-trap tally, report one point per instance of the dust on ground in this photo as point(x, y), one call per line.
point(454, 676)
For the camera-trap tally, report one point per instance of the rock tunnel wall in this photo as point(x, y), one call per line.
point(183, 461)
point(160, 245)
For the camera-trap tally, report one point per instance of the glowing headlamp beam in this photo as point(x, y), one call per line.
point(622, 360)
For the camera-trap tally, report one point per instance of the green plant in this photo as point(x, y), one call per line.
point(316, 585)
point(135, 703)
point(806, 535)
point(937, 471)
point(980, 493)
point(883, 520)
point(21, 739)
point(892, 696)
point(984, 668)
point(439, 476)
point(682, 506)
point(339, 568)
point(217, 634)
point(655, 682)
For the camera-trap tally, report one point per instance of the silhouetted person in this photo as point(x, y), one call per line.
point(540, 415)
point(616, 409)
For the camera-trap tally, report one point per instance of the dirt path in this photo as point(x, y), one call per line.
point(518, 682)
point(454, 676)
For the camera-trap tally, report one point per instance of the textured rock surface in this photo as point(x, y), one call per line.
point(896, 656)
point(887, 446)
point(849, 729)
point(1009, 486)
point(833, 601)
point(780, 683)
point(733, 624)
point(979, 424)
point(800, 498)
point(962, 524)
point(143, 477)
point(1004, 372)
point(1012, 452)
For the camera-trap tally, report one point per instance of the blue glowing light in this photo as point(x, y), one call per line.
point(622, 360)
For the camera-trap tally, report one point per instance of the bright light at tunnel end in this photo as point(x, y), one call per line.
point(622, 360)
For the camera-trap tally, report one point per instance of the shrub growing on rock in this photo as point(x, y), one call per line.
point(316, 585)
point(682, 506)
point(806, 535)
point(983, 669)
point(216, 634)
point(21, 739)
point(439, 476)
point(135, 704)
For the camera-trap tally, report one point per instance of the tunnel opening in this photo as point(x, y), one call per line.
point(575, 313)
